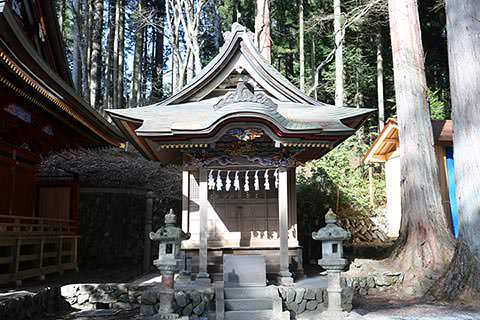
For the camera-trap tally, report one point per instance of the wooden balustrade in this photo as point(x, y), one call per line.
point(21, 225)
point(33, 247)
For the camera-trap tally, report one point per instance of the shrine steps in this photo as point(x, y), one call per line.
point(249, 315)
point(249, 303)
point(248, 293)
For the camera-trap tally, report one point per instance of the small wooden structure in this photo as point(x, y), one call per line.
point(239, 129)
point(386, 149)
point(39, 113)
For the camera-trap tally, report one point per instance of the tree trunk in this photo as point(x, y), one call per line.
point(96, 59)
point(116, 45)
point(157, 76)
point(301, 45)
point(85, 49)
point(137, 62)
point(380, 94)
point(217, 26)
point(145, 66)
point(109, 74)
point(236, 14)
point(62, 17)
point(121, 56)
point(425, 243)
point(339, 76)
point(77, 48)
point(463, 277)
point(262, 28)
point(313, 66)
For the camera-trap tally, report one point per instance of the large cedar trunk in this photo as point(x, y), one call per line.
point(463, 276)
point(425, 243)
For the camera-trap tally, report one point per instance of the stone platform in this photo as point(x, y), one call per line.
point(137, 300)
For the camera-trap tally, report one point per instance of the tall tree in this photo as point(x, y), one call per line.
point(109, 72)
point(190, 17)
point(425, 243)
point(137, 57)
point(339, 39)
point(77, 46)
point(157, 72)
point(463, 28)
point(96, 54)
point(301, 45)
point(86, 36)
point(262, 28)
point(120, 54)
point(380, 90)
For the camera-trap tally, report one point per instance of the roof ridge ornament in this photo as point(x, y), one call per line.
point(245, 93)
point(237, 27)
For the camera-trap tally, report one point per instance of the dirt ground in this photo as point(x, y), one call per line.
point(391, 308)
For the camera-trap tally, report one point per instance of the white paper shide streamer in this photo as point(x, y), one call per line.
point(228, 182)
point(211, 181)
point(267, 181)
point(219, 181)
point(236, 182)
point(256, 183)
point(246, 187)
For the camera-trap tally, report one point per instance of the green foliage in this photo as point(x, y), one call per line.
point(340, 179)
point(438, 108)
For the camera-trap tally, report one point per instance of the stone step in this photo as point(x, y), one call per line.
point(249, 315)
point(248, 292)
point(248, 304)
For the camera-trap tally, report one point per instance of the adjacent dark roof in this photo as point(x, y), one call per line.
point(45, 81)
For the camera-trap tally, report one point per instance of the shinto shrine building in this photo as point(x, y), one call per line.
point(239, 129)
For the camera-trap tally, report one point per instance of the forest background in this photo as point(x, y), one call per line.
point(131, 53)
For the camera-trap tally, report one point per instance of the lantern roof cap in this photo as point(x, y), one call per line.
point(331, 231)
point(169, 232)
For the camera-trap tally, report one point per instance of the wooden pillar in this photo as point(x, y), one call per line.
point(185, 200)
point(147, 247)
point(203, 247)
point(284, 276)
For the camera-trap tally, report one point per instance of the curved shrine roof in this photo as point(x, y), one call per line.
point(237, 86)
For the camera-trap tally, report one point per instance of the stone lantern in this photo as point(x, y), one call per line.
point(170, 238)
point(332, 237)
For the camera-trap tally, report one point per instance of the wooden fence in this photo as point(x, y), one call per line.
point(33, 247)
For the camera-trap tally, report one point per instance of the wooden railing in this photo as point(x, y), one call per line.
point(33, 247)
point(20, 225)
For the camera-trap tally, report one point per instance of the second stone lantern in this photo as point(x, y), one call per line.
point(332, 237)
point(170, 238)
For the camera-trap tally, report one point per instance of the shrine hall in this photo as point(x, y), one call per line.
point(239, 129)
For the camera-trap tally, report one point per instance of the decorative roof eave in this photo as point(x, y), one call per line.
point(202, 118)
point(148, 143)
point(239, 37)
point(82, 113)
